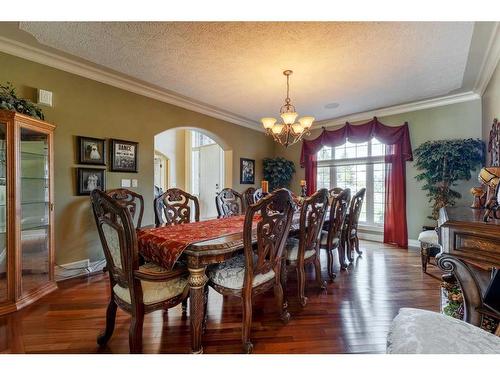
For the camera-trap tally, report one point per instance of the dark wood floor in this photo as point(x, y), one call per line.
point(351, 316)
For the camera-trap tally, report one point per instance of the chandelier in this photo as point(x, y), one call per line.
point(288, 132)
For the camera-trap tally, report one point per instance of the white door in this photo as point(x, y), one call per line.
point(211, 179)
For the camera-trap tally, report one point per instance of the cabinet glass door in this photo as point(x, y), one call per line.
point(35, 208)
point(3, 212)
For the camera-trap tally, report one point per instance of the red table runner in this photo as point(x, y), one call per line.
point(164, 245)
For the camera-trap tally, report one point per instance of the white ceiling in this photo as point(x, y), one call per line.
point(237, 66)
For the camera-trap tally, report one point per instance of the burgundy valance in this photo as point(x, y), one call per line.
point(388, 135)
point(398, 151)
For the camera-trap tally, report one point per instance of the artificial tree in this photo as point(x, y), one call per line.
point(443, 163)
point(279, 172)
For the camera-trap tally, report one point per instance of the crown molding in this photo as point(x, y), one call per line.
point(398, 109)
point(490, 62)
point(53, 60)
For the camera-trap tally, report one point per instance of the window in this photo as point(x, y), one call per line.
point(356, 166)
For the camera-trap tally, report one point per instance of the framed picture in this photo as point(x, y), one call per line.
point(247, 171)
point(91, 151)
point(88, 179)
point(123, 155)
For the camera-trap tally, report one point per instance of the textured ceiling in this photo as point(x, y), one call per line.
point(238, 66)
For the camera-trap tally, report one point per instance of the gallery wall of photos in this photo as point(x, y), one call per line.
point(119, 155)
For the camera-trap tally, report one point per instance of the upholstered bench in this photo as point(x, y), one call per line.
point(415, 331)
point(429, 246)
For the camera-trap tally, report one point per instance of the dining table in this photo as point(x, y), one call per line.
point(200, 254)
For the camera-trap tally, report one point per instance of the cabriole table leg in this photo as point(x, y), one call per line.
point(197, 281)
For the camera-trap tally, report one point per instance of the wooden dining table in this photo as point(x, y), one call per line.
point(198, 256)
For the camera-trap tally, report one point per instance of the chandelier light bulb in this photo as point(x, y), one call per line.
point(278, 128)
point(306, 121)
point(297, 128)
point(289, 117)
point(268, 122)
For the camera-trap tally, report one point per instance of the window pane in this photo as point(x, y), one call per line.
point(354, 178)
point(325, 153)
point(323, 180)
point(378, 149)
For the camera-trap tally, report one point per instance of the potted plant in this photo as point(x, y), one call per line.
point(10, 102)
point(279, 172)
point(443, 163)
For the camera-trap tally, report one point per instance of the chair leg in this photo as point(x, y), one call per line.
point(247, 322)
point(278, 294)
point(301, 283)
point(135, 331)
point(205, 307)
point(283, 281)
point(341, 250)
point(329, 253)
point(356, 241)
point(317, 267)
point(350, 250)
point(184, 305)
point(104, 337)
point(425, 259)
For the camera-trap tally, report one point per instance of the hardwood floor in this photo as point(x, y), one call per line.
point(351, 316)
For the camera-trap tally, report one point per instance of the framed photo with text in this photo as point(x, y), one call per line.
point(91, 151)
point(247, 171)
point(88, 179)
point(123, 155)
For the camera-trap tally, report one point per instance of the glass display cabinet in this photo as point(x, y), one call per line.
point(26, 210)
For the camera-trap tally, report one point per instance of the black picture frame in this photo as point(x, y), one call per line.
point(91, 150)
point(247, 171)
point(98, 180)
point(123, 155)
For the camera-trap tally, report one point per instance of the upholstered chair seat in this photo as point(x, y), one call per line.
point(429, 237)
point(231, 273)
point(154, 291)
point(292, 250)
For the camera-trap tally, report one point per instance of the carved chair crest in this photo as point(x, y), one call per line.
point(248, 196)
point(355, 210)
point(173, 207)
point(338, 211)
point(229, 203)
point(258, 195)
point(133, 201)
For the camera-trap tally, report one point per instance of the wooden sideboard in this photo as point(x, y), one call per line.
point(470, 250)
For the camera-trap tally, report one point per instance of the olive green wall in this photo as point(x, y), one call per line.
point(462, 120)
point(491, 103)
point(89, 108)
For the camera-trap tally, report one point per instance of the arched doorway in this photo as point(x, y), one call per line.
point(196, 162)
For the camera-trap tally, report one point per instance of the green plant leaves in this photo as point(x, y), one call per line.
point(278, 171)
point(10, 102)
point(443, 163)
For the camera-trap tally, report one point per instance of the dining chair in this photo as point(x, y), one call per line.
point(229, 203)
point(331, 235)
point(136, 289)
point(248, 196)
point(173, 207)
point(305, 249)
point(133, 201)
point(257, 270)
point(350, 230)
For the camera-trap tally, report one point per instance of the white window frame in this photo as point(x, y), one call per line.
point(368, 161)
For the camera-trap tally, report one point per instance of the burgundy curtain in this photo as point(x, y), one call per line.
point(398, 151)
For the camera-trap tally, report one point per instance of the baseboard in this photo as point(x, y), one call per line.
point(77, 269)
point(379, 237)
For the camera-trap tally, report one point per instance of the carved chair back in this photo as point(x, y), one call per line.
point(258, 195)
point(173, 207)
point(338, 211)
point(354, 211)
point(119, 241)
point(335, 191)
point(229, 203)
point(312, 216)
point(248, 196)
point(132, 201)
point(275, 213)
